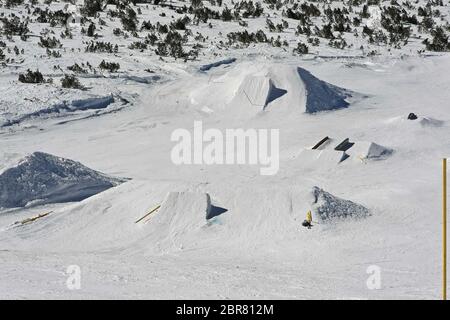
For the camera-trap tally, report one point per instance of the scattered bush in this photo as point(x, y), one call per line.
point(71, 82)
point(301, 48)
point(50, 43)
point(98, 46)
point(91, 7)
point(32, 77)
point(14, 26)
point(109, 66)
point(440, 41)
point(76, 68)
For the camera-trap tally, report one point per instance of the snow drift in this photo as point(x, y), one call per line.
point(43, 178)
point(209, 66)
point(327, 206)
point(424, 122)
point(62, 108)
point(430, 122)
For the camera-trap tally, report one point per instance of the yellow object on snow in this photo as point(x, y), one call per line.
point(309, 216)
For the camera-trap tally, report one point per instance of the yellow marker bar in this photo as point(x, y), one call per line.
point(33, 219)
point(153, 210)
point(309, 216)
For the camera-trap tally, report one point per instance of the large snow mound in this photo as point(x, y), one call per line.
point(247, 89)
point(327, 206)
point(42, 178)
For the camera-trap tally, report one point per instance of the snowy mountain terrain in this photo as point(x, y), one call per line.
point(92, 95)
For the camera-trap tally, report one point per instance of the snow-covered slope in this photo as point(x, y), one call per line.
point(260, 219)
point(224, 231)
point(261, 216)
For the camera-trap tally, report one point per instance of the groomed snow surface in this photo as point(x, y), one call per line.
point(199, 231)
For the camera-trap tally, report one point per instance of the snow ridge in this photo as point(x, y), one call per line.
point(76, 105)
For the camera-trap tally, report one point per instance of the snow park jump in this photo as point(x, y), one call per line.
point(221, 154)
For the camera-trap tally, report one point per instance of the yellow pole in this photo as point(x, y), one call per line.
point(444, 229)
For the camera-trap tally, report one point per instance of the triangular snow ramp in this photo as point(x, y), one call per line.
point(44, 178)
point(185, 208)
point(328, 206)
point(322, 96)
point(180, 219)
point(369, 150)
point(259, 91)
